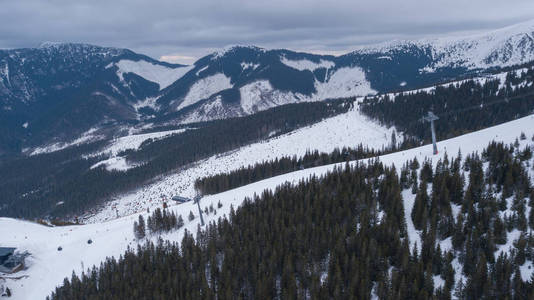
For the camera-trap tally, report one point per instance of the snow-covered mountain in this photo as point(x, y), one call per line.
point(245, 79)
point(55, 93)
point(47, 267)
point(58, 91)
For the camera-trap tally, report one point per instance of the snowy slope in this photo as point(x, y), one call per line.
point(204, 88)
point(344, 82)
point(134, 141)
point(129, 142)
point(47, 266)
point(260, 95)
point(86, 137)
point(506, 46)
point(345, 130)
point(162, 75)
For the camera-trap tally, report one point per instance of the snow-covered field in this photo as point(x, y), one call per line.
point(48, 266)
point(348, 129)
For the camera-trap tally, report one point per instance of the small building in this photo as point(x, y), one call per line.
point(9, 261)
point(180, 199)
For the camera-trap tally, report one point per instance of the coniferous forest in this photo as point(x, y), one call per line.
point(351, 235)
point(226, 181)
point(462, 107)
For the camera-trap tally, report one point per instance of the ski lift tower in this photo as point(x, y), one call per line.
point(431, 117)
point(197, 201)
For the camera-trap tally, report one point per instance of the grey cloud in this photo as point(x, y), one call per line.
point(194, 28)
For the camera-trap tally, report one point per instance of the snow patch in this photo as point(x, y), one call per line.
point(212, 110)
point(249, 65)
point(162, 75)
point(201, 70)
point(114, 164)
point(344, 82)
point(133, 142)
point(84, 138)
point(305, 64)
point(204, 88)
point(526, 271)
point(414, 236)
point(260, 95)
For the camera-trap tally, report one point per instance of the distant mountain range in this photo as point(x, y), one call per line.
point(59, 91)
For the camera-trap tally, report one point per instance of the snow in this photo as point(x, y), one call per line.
point(305, 64)
point(204, 88)
point(230, 49)
point(208, 111)
point(129, 142)
point(201, 70)
point(160, 74)
point(6, 73)
point(147, 102)
point(249, 65)
point(446, 244)
point(48, 267)
point(344, 82)
point(438, 282)
point(511, 237)
point(503, 47)
point(414, 235)
point(114, 164)
point(84, 138)
point(348, 129)
point(260, 95)
point(134, 141)
point(526, 271)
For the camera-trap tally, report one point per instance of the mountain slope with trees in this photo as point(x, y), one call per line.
point(347, 235)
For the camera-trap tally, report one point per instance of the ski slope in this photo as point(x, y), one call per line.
point(348, 129)
point(48, 266)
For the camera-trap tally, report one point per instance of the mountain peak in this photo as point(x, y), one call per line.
point(230, 49)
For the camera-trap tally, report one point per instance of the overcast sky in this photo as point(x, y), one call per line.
point(182, 31)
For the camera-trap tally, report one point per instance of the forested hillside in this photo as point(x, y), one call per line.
point(366, 231)
point(225, 181)
point(62, 183)
point(461, 107)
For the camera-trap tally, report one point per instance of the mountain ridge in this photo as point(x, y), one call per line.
point(61, 90)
